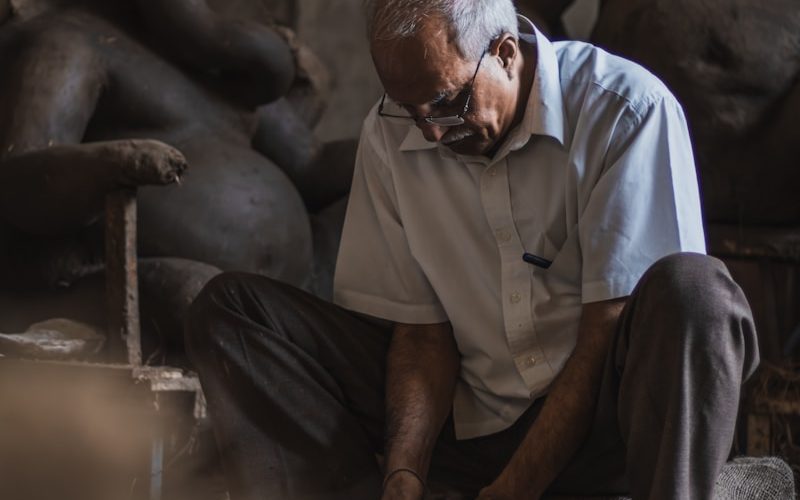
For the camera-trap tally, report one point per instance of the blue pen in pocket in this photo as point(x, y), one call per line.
point(536, 260)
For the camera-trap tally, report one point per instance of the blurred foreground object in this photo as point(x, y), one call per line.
point(94, 430)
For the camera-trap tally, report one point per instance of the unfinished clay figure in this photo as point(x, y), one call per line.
point(734, 65)
point(98, 95)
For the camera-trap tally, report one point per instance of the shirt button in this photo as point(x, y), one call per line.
point(492, 171)
point(528, 362)
point(515, 297)
point(504, 235)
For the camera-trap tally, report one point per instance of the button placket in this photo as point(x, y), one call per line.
point(515, 276)
point(528, 361)
point(503, 235)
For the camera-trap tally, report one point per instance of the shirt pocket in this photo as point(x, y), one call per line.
point(564, 274)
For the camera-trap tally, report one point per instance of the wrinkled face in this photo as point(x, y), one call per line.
point(426, 75)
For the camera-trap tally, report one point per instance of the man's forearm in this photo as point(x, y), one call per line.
point(566, 416)
point(422, 368)
point(556, 434)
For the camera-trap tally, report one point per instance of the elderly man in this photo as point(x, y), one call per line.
point(521, 213)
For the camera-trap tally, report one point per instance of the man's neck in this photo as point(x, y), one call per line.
point(526, 71)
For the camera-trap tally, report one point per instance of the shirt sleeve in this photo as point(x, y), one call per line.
point(376, 273)
point(646, 203)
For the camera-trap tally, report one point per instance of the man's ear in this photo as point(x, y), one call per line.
point(506, 47)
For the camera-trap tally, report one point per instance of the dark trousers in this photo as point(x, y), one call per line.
point(295, 388)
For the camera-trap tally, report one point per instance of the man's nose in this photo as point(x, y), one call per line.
point(431, 132)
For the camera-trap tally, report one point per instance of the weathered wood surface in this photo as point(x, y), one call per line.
point(122, 288)
point(728, 240)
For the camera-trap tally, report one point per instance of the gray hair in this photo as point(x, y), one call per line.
point(473, 23)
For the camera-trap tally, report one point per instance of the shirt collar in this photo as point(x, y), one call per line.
point(544, 113)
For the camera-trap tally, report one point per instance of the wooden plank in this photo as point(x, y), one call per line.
point(165, 379)
point(122, 287)
point(776, 243)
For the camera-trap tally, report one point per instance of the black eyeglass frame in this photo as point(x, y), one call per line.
point(441, 121)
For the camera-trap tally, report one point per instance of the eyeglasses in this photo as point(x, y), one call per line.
point(441, 121)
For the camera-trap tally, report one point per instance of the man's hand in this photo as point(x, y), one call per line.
point(567, 413)
point(421, 371)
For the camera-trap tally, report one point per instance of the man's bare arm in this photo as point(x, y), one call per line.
point(567, 413)
point(422, 368)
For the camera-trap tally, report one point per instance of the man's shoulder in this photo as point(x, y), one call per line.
point(584, 67)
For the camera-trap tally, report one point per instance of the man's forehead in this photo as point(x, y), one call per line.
point(417, 50)
point(421, 62)
point(413, 76)
point(432, 41)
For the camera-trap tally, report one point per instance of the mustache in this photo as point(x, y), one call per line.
point(456, 135)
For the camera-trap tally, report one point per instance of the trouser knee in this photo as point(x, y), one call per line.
point(693, 285)
point(224, 297)
point(699, 303)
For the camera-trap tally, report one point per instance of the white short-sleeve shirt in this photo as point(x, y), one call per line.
point(598, 179)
